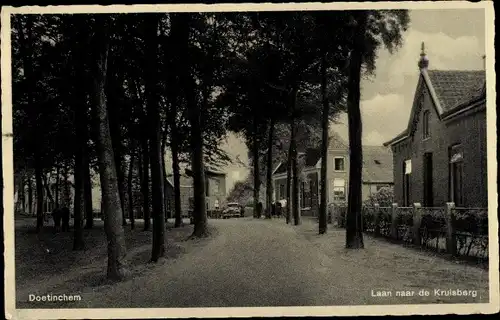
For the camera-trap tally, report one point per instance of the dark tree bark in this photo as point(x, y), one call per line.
point(164, 175)
point(58, 181)
point(269, 185)
point(26, 53)
point(181, 25)
point(145, 183)
point(295, 174)
point(79, 203)
point(176, 170)
point(22, 190)
point(116, 139)
point(151, 29)
point(289, 185)
point(323, 222)
point(87, 193)
point(39, 192)
point(129, 189)
point(30, 196)
point(256, 169)
point(109, 183)
point(80, 136)
point(354, 232)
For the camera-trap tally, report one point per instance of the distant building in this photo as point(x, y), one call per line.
point(215, 191)
point(441, 156)
point(376, 173)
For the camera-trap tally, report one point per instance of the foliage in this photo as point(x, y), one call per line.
point(384, 198)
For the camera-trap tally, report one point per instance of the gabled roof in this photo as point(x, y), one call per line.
point(450, 90)
point(377, 164)
point(454, 87)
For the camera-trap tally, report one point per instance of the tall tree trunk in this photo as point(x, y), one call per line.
point(175, 99)
point(26, 53)
point(87, 193)
point(109, 183)
point(295, 174)
point(198, 169)
point(323, 222)
point(256, 170)
point(116, 140)
point(354, 229)
point(39, 192)
point(79, 203)
point(289, 185)
point(151, 29)
point(177, 175)
point(145, 183)
point(129, 189)
point(269, 185)
point(121, 180)
point(164, 175)
point(58, 181)
point(181, 25)
point(22, 190)
point(81, 133)
point(30, 195)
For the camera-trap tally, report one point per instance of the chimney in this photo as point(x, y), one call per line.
point(423, 63)
point(484, 62)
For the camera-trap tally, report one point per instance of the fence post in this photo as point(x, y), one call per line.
point(376, 219)
point(394, 227)
point(451, 240)
point(417, 219)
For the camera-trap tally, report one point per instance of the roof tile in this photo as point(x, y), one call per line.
point(453, 87)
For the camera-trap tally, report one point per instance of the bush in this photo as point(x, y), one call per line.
point(384, 197)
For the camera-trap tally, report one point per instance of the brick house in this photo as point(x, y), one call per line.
point(376, 173)
point(215, 188)
point(441, 156)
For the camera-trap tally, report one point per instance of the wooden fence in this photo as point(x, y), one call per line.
point(450, 229)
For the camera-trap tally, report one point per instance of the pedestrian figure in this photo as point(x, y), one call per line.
point(278, 209)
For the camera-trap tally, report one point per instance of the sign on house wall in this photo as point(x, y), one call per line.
point(407, 166)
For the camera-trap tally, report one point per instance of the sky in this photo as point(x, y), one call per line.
point(454, 40)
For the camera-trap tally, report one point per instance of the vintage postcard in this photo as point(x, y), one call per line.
point(241, 160)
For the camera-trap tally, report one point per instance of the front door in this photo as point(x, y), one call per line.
point(428, 188)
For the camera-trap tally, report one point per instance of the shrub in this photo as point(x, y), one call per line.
point(384, 197)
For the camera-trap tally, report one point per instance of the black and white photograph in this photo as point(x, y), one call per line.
point(306, 159)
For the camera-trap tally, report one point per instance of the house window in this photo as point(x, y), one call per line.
point(339, 164)
point(339, 190)
point(456, 175)
point(425, 124)
point(282, 192)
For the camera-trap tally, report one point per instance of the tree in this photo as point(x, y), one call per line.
point(78, 63)
point(109, 184)
point(369, 30)
point(154, 127)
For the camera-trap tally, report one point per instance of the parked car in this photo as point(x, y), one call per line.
point(233, 209)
